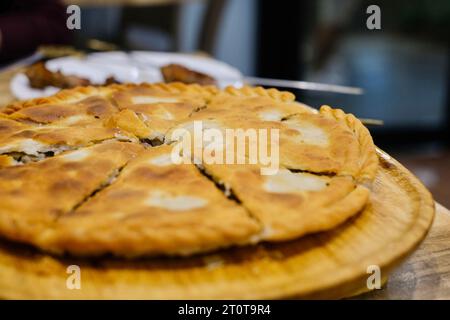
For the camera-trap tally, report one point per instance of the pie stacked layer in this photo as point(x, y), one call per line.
point(91, 171)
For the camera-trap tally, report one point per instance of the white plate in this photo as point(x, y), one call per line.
point(135, 67)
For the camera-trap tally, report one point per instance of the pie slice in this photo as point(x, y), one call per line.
point(85, 95)
point(314, 142)
point(33, 196)
point(38, 141)
point(306, 141)
point(260, 107)
point(291, 204)
point(55, 124)
point(161, 107)
point(97, 107)
point(153, 207)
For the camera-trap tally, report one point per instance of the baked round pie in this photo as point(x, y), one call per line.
point(90, 171)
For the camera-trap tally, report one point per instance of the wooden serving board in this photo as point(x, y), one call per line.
point(326, 265)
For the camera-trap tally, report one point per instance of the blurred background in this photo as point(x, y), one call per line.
point(403, 68)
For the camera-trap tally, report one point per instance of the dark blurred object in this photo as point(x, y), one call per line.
point(24, 25)
point(447, 112)
point(40, 77)
point(210, 25)
point(111, 80)
point(403, 68)
point(281, 31)
point(176, 72)
point(325, 40)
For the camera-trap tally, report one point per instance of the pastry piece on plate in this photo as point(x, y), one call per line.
point(252, 103)
point(33, 196)
point(178, 73)
point(305, 141)
point(161, 106)
point(59, 123)
point(291, 204)
point(28, 142)
point(40, 77)
point(153, 207)
point(52, 109)
point(315, 143)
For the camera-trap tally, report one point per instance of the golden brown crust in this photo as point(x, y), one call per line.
point(93, 106)
point(129, 122)
point(6, 161)
point(63, 96)
point(251, 104)
point(154, 217)
point(307, 141)
point(289, 204)
point(247, 91)
point(27, 193)
point(67, 133)
point(368, 159)
point(78, 93)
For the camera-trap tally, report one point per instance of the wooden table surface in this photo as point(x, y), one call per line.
point(425, 274)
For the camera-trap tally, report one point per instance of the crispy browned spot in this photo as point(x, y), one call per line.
point(98, 107)
point(46, 113)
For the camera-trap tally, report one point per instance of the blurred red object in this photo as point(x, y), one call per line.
point(24, 25)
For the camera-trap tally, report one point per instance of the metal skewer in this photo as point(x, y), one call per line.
point(303, 85)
